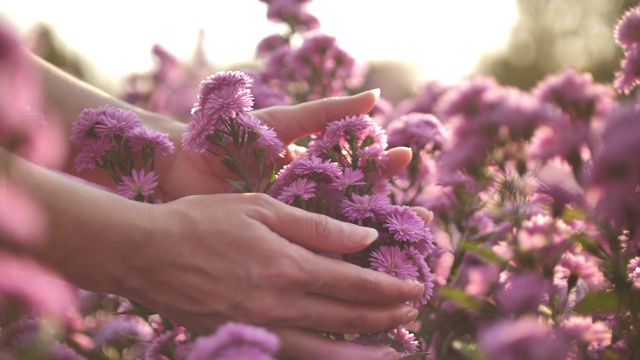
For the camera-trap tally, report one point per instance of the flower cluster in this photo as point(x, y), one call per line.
point(342, 175)
point(222, 125)
point(316, 68)
point(115, 140)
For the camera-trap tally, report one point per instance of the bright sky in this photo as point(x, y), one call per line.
point(442, 38)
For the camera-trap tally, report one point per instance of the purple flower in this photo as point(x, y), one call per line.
point(92, 153)
point(627, 31)
point(195, 136)
point(404, 342)
point(350, 177)
point(117, 122)
point(236, 341)
point(583, 267)
point(633, 271)
point(83, 129)
point(122, 331)
point(576, 94)
point(316, 166)
point(418, 131)
point(146, 141)
point(138, 186)
point(405, 225)
point(525, 338)
point(628, 77)
point(583, 329)
point(22, 218)
point(393, 261)
point(39, 290)
point(269, 44)
point(426, 100)
point(466, 99)
point(225, 94)
point(520, 293)
point(363, 207)
point(260, 137)
point(615, 174)
point(299, 189)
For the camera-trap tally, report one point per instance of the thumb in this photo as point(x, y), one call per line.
point(294, 122)
point(317, 232)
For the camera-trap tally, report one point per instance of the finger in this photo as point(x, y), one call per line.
point(399, 158)
point(302, 344)
point(314, 231)
point(317, 312)
point(425, 214)
point(294, 122)
point(343, 280)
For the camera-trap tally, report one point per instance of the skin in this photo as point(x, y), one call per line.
point(187, 259)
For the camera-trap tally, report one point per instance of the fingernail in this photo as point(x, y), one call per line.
point(376, 92)
point(373, 235)
point(419, 289)
point(391, 355)
point(412, 315)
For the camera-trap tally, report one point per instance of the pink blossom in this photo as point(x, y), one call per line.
point(138, 186)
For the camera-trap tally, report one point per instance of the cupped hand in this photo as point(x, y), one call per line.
point(245, 257)
point(190, 173)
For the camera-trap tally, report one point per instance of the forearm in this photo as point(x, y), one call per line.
point(91, 233)
point(65, 97)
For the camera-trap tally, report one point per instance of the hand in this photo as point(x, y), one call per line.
point(190, 173)
point(212, 258)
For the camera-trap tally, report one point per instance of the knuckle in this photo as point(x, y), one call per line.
point(321, 226)
point(355, 322)
point(286, 273)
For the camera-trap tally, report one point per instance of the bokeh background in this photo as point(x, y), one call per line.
point(404, 41)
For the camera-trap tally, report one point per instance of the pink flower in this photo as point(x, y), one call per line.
point(405, 225)
point(198, 128)
point(299, 189)
point(363, 207)
point(236, 341)
point(138, 186)
point(37, 288)
point(117, 122)
point(22, 219)
point(146, 141)
point(633, 271)
point(393, 261)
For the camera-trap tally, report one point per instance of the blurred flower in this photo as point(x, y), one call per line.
point(633, 271)
point(627, 31)
point(583, 329)
point(418, 131)
point(627, 78)
point(22, 219)
point(36, 288)
point(236, 341)
point(520, 293)
point(525, 338)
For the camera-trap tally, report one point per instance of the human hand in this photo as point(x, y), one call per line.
point(213, 258)
point(190, 173)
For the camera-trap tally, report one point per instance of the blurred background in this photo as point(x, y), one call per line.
point(405, 42)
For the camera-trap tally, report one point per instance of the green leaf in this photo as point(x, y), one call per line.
point(139, 310)
point(482, 251)
point(470, 350)
point(417, 356)
point(599, 302)
point(238, 185)
point(461, 298)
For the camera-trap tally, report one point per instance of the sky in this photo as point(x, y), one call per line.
point(442, 39)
